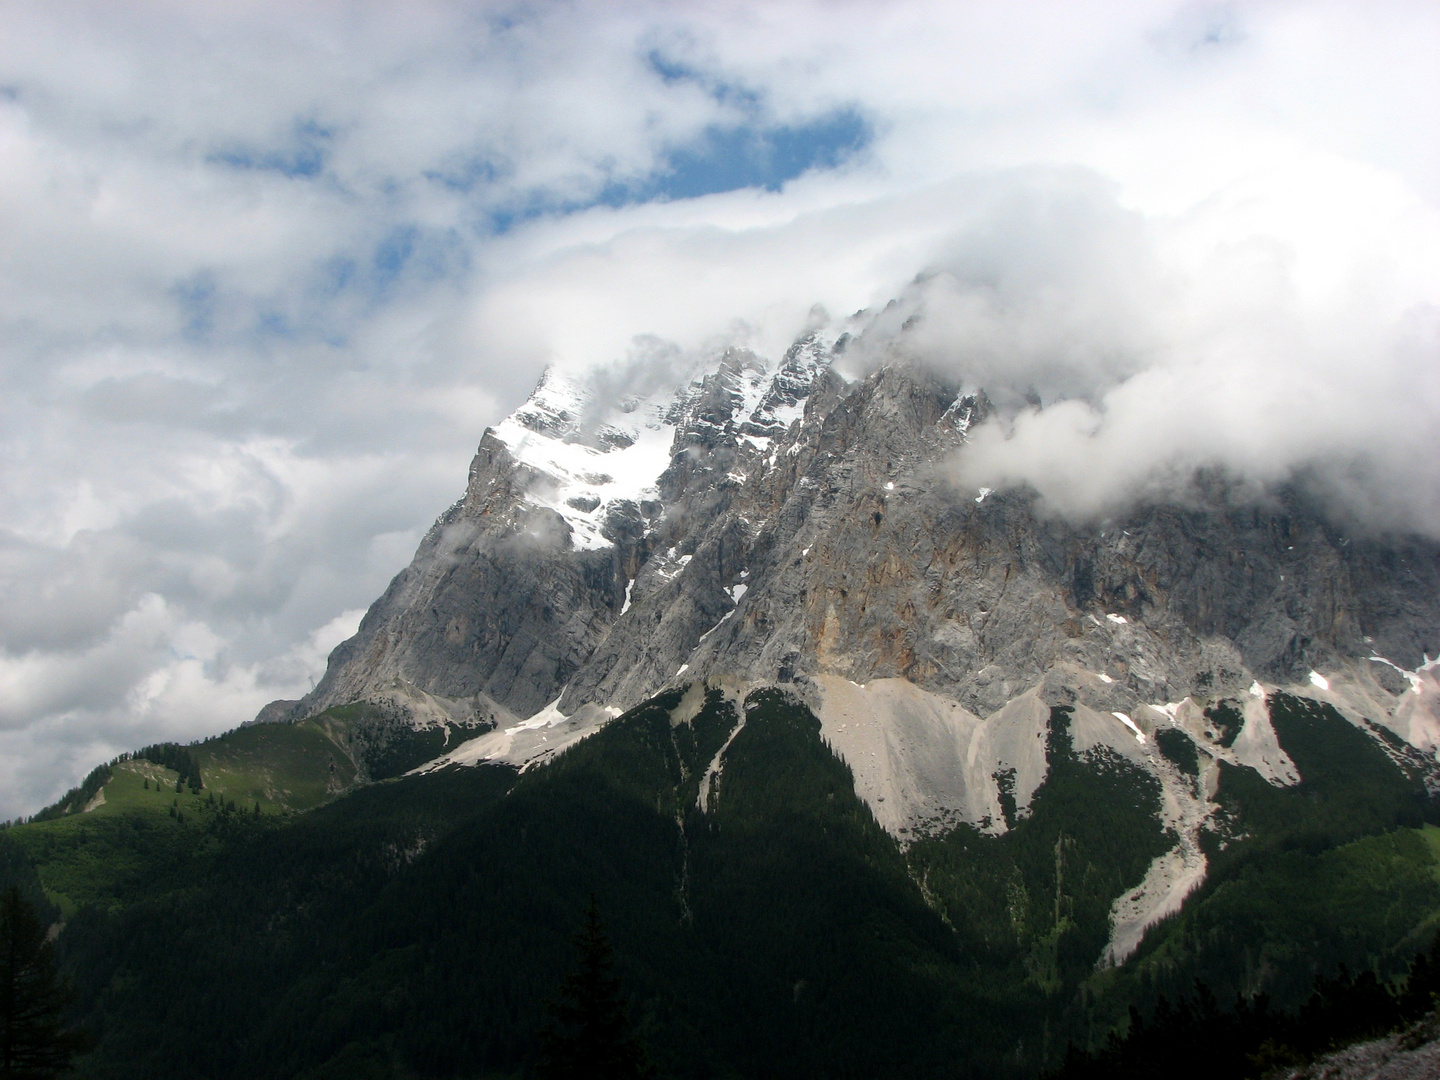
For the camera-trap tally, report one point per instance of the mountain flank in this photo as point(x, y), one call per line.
point(870, 774)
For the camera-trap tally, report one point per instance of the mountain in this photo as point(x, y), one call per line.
point(776, 525)
point(870, 774)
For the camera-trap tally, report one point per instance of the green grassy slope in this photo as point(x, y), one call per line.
point(140, 839)
point(140, 828)
point(415, 927)
point(133, 826)
point(288, 766)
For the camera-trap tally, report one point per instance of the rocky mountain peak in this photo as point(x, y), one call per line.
point(773, 524)
point(861, 557)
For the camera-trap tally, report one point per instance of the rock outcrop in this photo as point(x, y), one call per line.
point(777, 524)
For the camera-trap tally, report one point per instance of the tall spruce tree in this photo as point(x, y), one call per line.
point(589, 1035)
point(34, 1042)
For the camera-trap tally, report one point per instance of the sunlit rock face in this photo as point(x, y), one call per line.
point(764, 522)
point(768, 522)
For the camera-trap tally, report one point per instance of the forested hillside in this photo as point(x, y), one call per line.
point(417, 926)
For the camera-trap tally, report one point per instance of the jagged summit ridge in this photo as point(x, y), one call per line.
point(771, 521)
point(573, 508)
point(592, 454)
point(765, 524)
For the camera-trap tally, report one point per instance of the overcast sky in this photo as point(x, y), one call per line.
point(268, 270)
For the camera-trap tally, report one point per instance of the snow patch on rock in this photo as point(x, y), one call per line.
point(1413, 714)
point(586, 463)
point(588, 451)
point(1139, 735)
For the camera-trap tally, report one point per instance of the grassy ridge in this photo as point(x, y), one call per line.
point(288, 766)
point(135, 822)
point(141, 839)
point(141, 829)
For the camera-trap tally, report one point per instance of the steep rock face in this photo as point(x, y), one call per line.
point(577, 512)
point(867, 562)
point(496, 602)
point(777, 524)
point(763, 525)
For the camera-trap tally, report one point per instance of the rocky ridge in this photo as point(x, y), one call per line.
point(781, 525)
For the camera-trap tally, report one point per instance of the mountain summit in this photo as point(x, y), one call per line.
point(872, 773)
point(773, 524)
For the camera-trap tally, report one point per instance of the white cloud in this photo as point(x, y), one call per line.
point(1286, 327)
point(255, 310)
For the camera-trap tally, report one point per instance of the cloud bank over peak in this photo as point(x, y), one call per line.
point(267, 272)
point(1272, 333)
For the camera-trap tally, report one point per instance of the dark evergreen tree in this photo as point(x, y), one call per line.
point(76, 799)
point(589, 1035)
point(174, 756)
point(1421, 994)
point(1197, 1038)
point(34, 1042)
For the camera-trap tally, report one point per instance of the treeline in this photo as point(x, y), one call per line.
point(174, 756)
point(77, 798)
point(1196, 1038)
point(167, 755)
point(780, 933)
point(220, 807)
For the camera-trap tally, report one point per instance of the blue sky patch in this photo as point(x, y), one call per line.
point(721, 159)
point(393, 252)
point(197, 297)
point(724, 91)
point(727, 159)
point(303, 157)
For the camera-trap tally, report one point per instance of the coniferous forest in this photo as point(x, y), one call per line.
point(424, 926)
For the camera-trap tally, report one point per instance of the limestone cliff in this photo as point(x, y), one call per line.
point(774, 524)
point(777, 524)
